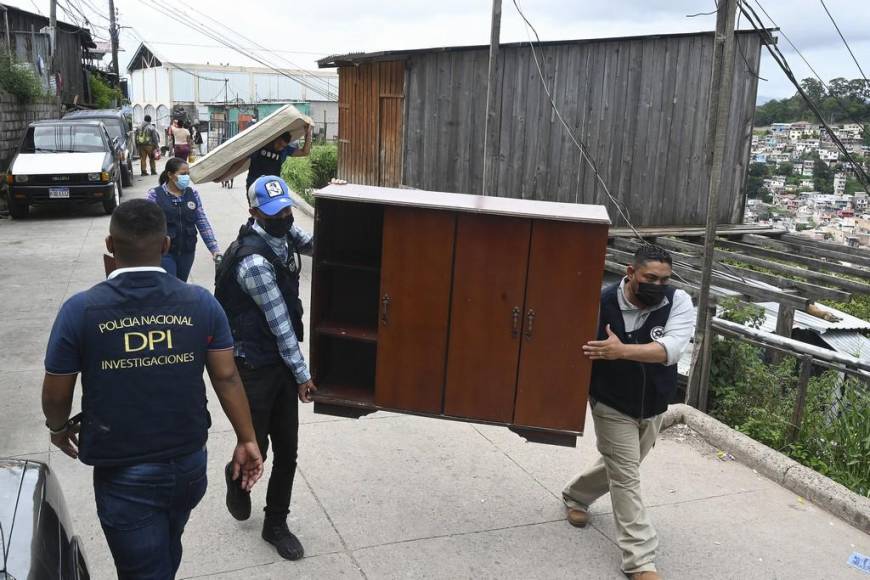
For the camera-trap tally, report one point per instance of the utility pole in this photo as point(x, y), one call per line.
point(113, 36)
point(52, 36)
point(720, 106)
point(490, 127)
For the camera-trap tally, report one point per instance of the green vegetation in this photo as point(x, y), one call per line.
point(758, 399)
point(104, 95)
point(844, 101)
point(304, 174)
point(18, 80)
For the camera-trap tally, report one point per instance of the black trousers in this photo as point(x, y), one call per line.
point(272, 395)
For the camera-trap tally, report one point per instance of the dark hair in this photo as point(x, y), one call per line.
point(172, 166)
point(651, 253)
point(285, 136)
point(147, 118)
point(138, 228)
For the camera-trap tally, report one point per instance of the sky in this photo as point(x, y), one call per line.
point(304, 32)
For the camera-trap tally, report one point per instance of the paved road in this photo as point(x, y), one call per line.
point(393, 496)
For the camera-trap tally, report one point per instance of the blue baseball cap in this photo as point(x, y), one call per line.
point(269, 194)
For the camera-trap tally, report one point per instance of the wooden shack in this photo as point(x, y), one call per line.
point(23, 36)
point(415, 119)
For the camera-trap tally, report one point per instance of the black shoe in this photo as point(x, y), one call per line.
point(275, 532)
point(238, 500)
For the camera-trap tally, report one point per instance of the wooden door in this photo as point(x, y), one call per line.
point(489, 279)
point(416, 264)
point(566, 264)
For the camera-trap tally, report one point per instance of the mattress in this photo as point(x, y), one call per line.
point(231, 157)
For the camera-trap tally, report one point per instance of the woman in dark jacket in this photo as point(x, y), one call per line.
point(184, 216)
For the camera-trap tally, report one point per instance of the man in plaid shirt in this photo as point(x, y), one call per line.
point(258, 285)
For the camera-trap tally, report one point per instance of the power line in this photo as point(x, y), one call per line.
point(780, 60)
point(837, 99)
point(578, 142)
point(173, 12)
point(179, 67)
point(849, 48)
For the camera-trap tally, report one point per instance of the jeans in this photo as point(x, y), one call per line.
point(275, 413)
point(143, 509)
point(179, 265)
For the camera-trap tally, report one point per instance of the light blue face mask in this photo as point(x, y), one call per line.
point(182, 182)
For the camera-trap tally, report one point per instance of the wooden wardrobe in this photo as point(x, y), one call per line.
point(456, 306)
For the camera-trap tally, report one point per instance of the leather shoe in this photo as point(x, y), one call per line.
point(238, 500)
point(578, 518)
point(648, 575)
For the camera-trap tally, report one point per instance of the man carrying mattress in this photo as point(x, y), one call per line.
point(269, 159)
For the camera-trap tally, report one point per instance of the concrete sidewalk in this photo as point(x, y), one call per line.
point(393, 496)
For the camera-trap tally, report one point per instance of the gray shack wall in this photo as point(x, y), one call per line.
point(641, 105)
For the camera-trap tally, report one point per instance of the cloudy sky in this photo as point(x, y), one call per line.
point(308, 30)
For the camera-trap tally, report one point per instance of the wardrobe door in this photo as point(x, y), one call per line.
point(566, 265)
point(416, 267)
point(489, 279)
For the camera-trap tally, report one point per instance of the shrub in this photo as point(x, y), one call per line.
point(324, 163)
point(298, 174)
point(758, 399)
point(104, 96)
point(18, 80)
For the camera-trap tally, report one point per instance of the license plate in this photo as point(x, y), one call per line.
point(58, 193)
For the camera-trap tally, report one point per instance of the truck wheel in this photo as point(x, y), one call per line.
point(126, 175)
point(112, 202)
point(19, 210)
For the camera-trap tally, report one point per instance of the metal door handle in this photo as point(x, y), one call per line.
point(385, 314)
point(530, 322)
point(515, 318)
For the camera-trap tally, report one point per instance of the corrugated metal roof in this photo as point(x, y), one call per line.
point(810, 322)
point(849, 342)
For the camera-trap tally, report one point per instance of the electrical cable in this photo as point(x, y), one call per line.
point(620, 206)
point(781, 61)
point(177, 66)
point(173, 12)
point(262, 48)
point(849, 48)
point(837, 99)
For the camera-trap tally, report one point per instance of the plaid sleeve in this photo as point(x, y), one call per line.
point(257, 278)
point(302, 240)
point(204, 227)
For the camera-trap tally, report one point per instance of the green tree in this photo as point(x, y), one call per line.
point(755, 183)
point(823, 177)
point(786, 169)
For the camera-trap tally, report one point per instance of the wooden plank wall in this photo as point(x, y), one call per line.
point(640, 105)
point(370, 123)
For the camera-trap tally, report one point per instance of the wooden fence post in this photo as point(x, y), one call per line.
point(706, 359)
point(784, 325)
point(801, 401)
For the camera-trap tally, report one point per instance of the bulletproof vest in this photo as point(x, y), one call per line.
point(250, 329)
point(640, 390)
point(180, 219)
point(144, 348)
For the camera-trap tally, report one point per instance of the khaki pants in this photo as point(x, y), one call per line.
point(623, 442)
point(146, 152)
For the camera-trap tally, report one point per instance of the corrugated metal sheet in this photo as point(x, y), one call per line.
point(641, 106)
point(810, 322)
point(849, 342)
point(370, 123)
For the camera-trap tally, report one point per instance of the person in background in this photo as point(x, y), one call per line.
point(258, 286)
point(269, 159)
point(140, 341)
point(147, 140)
point(644, 327)
point(181, 141)
point(184, 216)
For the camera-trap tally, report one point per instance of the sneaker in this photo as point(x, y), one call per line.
point(238, 500)
point(276, 532)
point(578, 518)
point(648, 575)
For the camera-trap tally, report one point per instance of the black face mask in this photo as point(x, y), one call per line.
point(650, 294)
point(278, 227)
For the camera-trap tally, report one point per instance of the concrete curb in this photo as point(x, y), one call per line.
point(808, 484)
point(303, 205)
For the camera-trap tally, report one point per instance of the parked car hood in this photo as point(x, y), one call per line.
point(58, 163)
point(21, 484)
